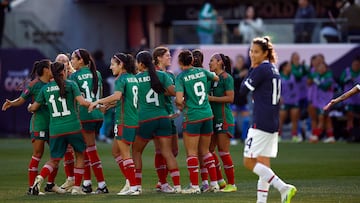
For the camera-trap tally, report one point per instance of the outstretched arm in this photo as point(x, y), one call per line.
point(107, 100)
point(16, 102)
point(82, 101)
point(343, 97)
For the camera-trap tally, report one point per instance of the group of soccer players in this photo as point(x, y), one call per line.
point(143, 102)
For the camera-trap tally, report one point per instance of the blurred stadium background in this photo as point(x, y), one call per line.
point(39, 29)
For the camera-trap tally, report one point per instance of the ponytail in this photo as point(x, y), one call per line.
point(57, 70)
point(145, 58)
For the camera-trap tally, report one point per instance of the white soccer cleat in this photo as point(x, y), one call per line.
point(54, 188)
point(166, 188)
point(177, 189)
point(129, 192)
point(214, 188)
point(329, 140)
point(288, 193)
point(191, 190)
point(35, 189)
point(126, 186)
point(67, 186)
point(77, 190)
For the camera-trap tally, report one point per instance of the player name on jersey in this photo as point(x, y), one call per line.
point(85, 76)
point(134, 79)
point(52, 88)
point(194, 76)
point(144, 79)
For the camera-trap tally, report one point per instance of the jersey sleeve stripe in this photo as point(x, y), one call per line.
point(249, 86)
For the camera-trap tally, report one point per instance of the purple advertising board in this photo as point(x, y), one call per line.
point(15, 67)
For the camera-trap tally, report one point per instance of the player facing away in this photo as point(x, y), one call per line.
point(261, 143)
point(192, 100)
point(59, 96)
point(39, 123)
point(126, 114)
point(154, 120)
point(89, 81)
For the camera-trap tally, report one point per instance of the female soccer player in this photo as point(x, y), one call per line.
point(126, 115)
point(63, 58)
point(192, 99)
point(39, 124)
point(154, 120)
point(90, 83)
point(65, 128)
point(69, 155)
point(221, 96)
point(262, 140)
point(162, 60)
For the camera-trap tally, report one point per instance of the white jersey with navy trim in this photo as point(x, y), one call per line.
point(265, 83)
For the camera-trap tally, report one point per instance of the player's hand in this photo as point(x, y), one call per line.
point(6, 105)
point(327, 107)
point(92, 106)
point(175, 115)
point(29, 108)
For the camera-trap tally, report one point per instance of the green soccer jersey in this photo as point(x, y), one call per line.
point(151, 104)
point(222, 112)
point(63, 115)
point(168, 99)
point(84, 79)
point(40, 119)
point(193, 83)
point(126, 109)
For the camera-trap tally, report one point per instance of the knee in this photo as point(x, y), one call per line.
point(248, 163)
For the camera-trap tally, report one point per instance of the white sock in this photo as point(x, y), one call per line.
point(101, 184)
point(268, 175)
point(87, 182)
point(262, 190)
point(72, 178)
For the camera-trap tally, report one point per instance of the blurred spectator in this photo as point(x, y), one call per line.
point(207, 24)
point(250, 27)
point(4, 4)
point(323, 81)
point(329, 31)
point(239, 107)
point(107, 126)
point(315, 62)
point(352, 15)
point(300, 72)
point(349, 78)
point(303, 27)
point(289, 101)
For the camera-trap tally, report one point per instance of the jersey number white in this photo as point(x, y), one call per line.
point(199, 89)
point(276, 91)
point(56, 113)
point(89, 94)
point(152, 97)
point(135, 95)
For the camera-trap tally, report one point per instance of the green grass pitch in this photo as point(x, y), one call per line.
point(328, 173)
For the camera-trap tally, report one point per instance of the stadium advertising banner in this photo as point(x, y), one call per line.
point(15, 67)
